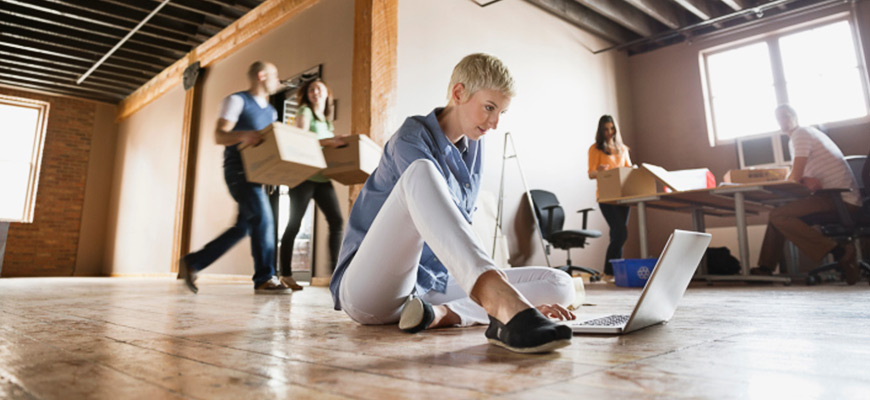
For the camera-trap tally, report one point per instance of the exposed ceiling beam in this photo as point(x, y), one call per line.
point(119, 15)
point(138, 9)
point(90, 36)
point(63, 74)
point(95, 47)
point(25, 55)
point(718, 21)
point(585, 19)
point(68, 52)
point(15, 83)
point(201, 7)
point(58, 11)
point(235, 7)
point(625, 15)
point(115, 33)
point(46, 44)
point(662, 10)
point(735, 5)
point(23, 73)
point(703, 9)
point(68, 86)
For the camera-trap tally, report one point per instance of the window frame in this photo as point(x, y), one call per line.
point(778, 72)
point(42, 108)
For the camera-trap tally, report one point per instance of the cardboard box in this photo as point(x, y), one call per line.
point(287, 156)
point(756, 175)
point(692, 179)
point(624, 182)
point(354, 162)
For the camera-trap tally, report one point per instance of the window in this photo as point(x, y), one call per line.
point(22, 135)
point(817, 70)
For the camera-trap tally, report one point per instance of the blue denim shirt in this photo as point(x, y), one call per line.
point(418, 138)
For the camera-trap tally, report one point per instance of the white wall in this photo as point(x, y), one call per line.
point(142, 205)
point(101, 163)
point(562, 91)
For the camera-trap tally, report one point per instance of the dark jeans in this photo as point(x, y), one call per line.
point(255, 218)
point(617, 220)
point(324, 197)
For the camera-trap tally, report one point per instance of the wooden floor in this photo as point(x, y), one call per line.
point(111, 338)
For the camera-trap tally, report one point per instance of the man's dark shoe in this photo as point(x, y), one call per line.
point(849, 264)
point(272, 286)
point(528, 332)
point(188, 274)
point(417, 315)
point(761, 271)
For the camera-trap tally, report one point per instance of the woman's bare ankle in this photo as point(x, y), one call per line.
point(444, 317)
point(498, 297)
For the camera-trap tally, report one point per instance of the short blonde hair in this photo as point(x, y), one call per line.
point(481, 71)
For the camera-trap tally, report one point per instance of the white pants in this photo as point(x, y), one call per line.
point(384, 270)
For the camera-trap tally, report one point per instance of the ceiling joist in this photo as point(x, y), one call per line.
point(582, 17)
point(46, 43)
point(661, 10)
point(625, 15)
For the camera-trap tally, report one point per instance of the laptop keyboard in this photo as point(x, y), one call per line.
point(610, 320)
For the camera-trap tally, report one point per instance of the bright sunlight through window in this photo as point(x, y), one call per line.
point(822, 74)
point(22, 134)
point(815, 70)
point(735, 74)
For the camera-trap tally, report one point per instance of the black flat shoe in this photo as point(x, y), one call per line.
point(416, 315)
point(188, 274)
point(528, 332)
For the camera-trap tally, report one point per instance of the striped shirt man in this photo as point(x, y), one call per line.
point(825, 161)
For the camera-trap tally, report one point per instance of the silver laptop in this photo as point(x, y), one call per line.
point(663, 290)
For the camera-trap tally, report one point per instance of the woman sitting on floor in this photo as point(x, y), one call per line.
point(410, 255)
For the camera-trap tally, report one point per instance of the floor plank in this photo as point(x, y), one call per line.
point(71, 338)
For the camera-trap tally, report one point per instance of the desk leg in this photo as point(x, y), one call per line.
point(641, 226)
point(699, 226)
point(698, 221)
point(743, 245)
point(742, 239)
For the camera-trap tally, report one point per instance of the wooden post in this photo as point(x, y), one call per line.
point(187, 163)
point(374, 70)
point(374, 77)
point(4, 233)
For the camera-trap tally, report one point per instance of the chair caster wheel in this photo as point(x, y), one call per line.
point(812, 280)
point(594, 278)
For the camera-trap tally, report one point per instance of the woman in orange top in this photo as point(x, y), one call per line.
point(609, 152)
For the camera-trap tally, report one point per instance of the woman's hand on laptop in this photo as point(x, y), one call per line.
point(556, 311)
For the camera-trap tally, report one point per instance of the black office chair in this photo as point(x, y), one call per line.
point(551, 217)
point(848, 227)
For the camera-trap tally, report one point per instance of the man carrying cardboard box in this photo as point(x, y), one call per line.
point(242, 115)
point(818, 164)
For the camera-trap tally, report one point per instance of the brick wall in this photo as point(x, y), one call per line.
point(48, 246)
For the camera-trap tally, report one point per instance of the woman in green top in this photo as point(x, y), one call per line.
point(316, 112)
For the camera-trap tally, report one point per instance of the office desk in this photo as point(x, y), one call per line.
point(723, 201)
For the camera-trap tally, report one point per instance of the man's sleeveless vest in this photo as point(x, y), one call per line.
point(252, 118)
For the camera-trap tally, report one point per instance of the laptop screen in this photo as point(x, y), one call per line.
point(670, 279)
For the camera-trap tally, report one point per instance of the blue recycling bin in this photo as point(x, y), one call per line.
point(632, 272)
